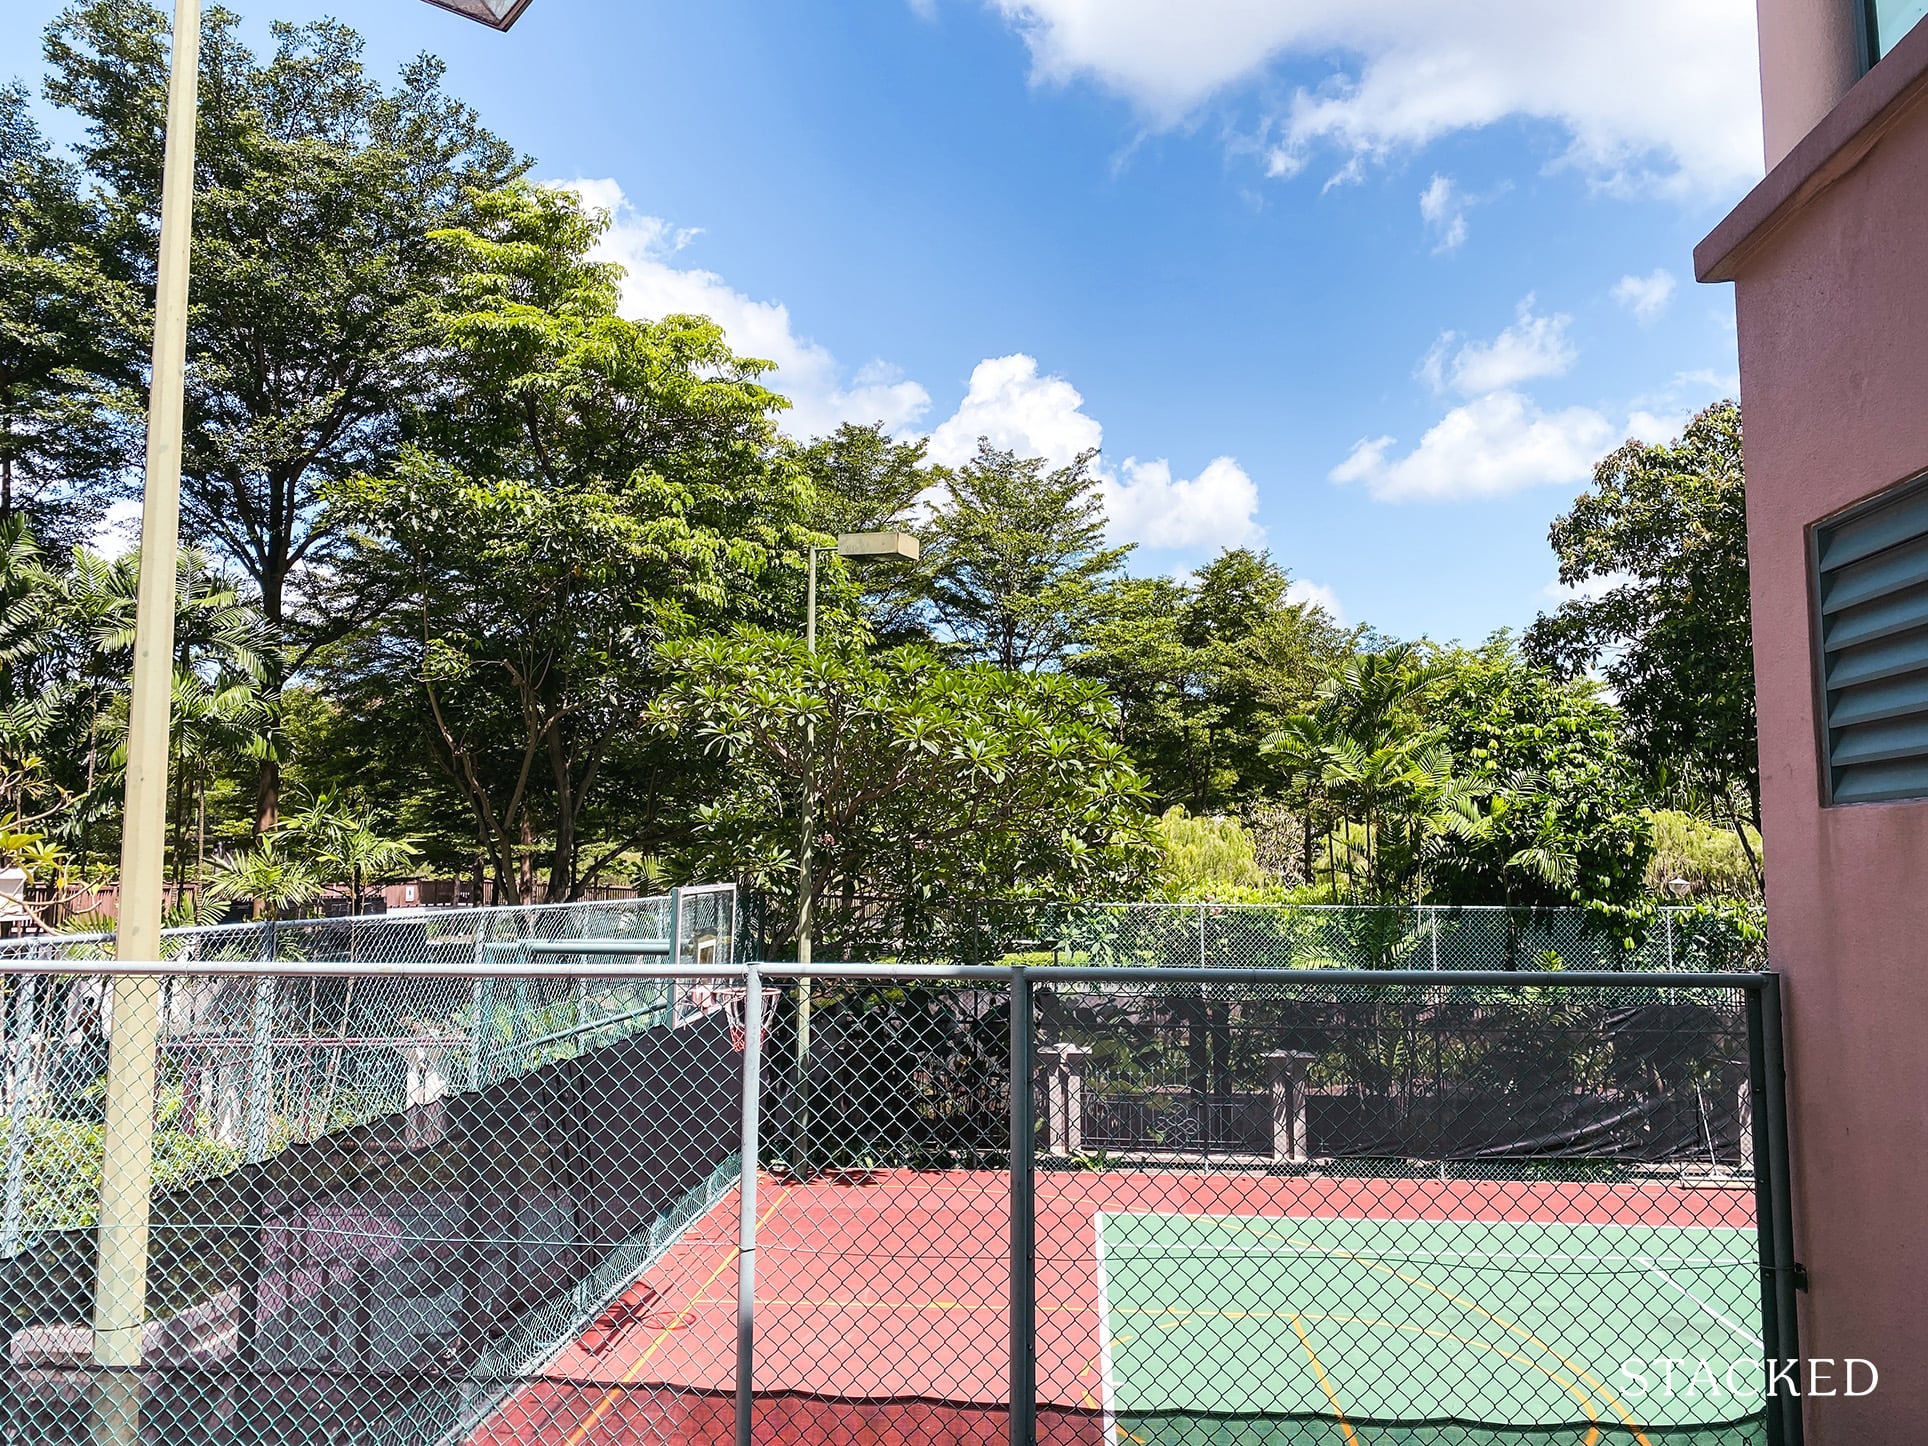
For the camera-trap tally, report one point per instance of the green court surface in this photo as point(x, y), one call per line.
point(1354, 1332)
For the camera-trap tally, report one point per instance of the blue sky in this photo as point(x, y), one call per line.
point(1369, 282)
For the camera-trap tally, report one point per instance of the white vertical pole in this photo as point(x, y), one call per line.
point(120, 1286)
point(746, 1207)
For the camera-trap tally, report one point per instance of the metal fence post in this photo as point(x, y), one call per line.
point(676, 926)
point(12, 1231)
point(261, 1070)
point(1024, 1393)
point(1773, 1195)
point(746, 1209)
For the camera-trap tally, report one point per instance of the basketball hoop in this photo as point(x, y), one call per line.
point(735, 1005)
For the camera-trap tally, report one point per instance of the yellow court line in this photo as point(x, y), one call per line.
point(614, 1393)
point(1586, 1404)
point(1593, 1416)
point(1504, 1324)
point(1318, 1370)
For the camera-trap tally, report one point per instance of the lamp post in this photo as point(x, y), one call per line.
point(120, 1288)
point(854, 545)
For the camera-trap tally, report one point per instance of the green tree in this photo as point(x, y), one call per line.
point(937, 786)
point(1017, 564)
point(218, 713)
point(1374, 774)
point(67, 397)
point(1663, 536)
point(1557, 814)
point(342, 840)
point(586, 490)
point(310, 325)
point(864, 481)
point(275, 883)
point(1205, 670)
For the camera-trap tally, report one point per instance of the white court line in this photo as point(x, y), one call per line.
point(1742, 1331)
point(1105, 1395)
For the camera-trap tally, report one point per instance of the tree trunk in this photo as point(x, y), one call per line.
point(525, 861)
point(267, 785)
point(267, 798)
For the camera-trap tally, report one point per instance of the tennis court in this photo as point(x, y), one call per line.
point(1184, 1307)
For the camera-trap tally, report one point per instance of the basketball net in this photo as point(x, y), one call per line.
point(736, 1008)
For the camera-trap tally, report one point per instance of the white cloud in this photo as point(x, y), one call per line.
point(1147, 505)
point(1657, 428)
point(1009, 401)
point(1442, 206)
point(1494, 445)
point(1318, 594)
point(1650, 94)
point(821, 393)
point(1533, 346)
point(1660, 416)
point(1587, 588)
point(1015, 408)
point(924, 9)
point(1645, 296)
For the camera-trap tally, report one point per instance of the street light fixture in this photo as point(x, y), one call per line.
point(120, 1288)
point(496, 14)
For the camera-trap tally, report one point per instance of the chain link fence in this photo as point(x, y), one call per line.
point(1300, 936)
point(497, 1197)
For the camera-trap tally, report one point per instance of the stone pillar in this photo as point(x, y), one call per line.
point(1285, 1079)
point(1062, 1067)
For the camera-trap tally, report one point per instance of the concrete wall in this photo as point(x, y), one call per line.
point(1833, 314)
point(1810, 56)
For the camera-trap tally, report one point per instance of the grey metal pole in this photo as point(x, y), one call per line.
point(1763, 1200)
point(12, 1230)
point(806, 846)
point(1024, 1394)
point(1787, 1273)
point(261, 1071)
point(806, 896)
point(746, 1207)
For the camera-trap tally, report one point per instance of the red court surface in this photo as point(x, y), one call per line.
point(882, 1302)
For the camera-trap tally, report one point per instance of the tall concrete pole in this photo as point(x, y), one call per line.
point(120, 1287)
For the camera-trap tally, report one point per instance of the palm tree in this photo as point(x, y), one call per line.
point(339, 838)
point(218, 713)
point(276, 883)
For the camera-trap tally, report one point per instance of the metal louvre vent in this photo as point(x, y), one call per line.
point(1871, 592)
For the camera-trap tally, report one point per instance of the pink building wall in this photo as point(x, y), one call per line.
point(1830, 260)
point(1810, 57)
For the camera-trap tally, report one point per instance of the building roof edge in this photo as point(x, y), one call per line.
point(1838, 143)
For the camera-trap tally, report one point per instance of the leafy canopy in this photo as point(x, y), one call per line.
point(1663, 537)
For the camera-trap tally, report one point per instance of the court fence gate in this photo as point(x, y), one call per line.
point(576, 1192)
